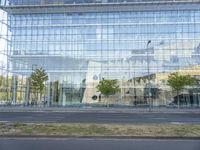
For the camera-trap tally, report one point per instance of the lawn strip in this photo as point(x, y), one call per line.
point(75, 129)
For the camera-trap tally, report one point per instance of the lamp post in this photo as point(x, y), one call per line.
point(148, 88)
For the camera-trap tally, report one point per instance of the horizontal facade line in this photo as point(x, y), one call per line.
point(104, 68)
point(100, 56)
point(105, 53)
point(106, 24)
point(103, 7)
point(88, 41)
point(78, 3)
point(90, 17)
point(77, 39)
point(84, 71)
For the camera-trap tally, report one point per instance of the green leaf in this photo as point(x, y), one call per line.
point(108, 87)
point(38, 79)
point(178, 82)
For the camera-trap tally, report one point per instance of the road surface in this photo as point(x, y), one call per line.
point(97, 144)
point(97, 117)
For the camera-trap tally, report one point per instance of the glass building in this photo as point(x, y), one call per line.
point(80, 42)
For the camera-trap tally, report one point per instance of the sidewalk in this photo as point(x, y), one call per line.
point(97, 109)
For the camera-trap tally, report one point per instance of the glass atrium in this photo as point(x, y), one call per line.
point(80, 44)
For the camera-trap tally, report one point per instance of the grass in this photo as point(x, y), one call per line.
point(74, 129)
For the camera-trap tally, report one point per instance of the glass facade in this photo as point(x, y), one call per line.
point(78, 49)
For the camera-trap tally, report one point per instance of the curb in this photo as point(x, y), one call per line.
point(134, 112)
point(99, 137)
point(88, 110)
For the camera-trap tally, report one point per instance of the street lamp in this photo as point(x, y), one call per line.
point(148, 87)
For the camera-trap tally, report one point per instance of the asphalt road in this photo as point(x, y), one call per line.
point(97, 144)
point(96, 117)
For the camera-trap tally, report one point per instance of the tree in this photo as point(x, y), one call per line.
point(57, 91)
point(38, 79)
point(178, 82)
point(108, 87)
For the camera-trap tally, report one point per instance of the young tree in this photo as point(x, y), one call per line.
point(38, 79)
point(178, 82)
point(108, 87)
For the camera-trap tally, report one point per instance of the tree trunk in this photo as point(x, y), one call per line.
point(35, 94)
point(40, 95)
point(107, 101)
point(178, 100)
